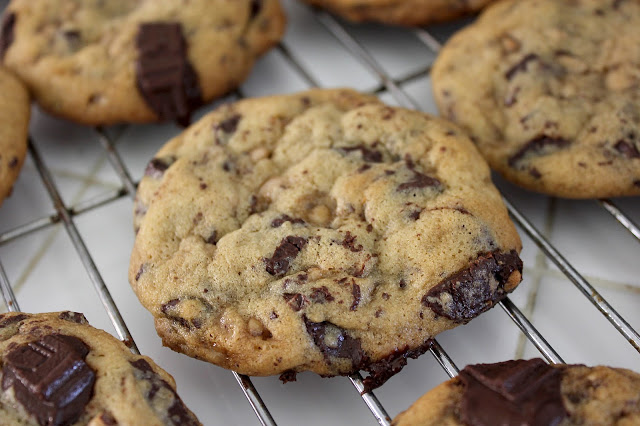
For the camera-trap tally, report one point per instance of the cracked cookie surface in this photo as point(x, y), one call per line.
point(15, 109)
point(58, 370)
point(320, 231)
point(103, 62)
point(401, 12)
point(550, 92)
point(530, 392)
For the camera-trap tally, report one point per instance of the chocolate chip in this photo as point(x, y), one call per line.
point(255, 8)
point(383, 370)
point(7, 319)
point(369, 227)
point(402, 283)
point(178, 414)
point(636, 183)
point(369, 155)
point(542, 145)
point(212, 238)
point(419, 180)
point(471, 291)
point(535, 173)
point(107, 419)
point(626, 148)
point(165, 78)
point(512, 392)
point(363, 168)
point(355, 292)
point(321, 295)
point(415, 215)
point(73, 38)
point(141, 271)
point(6, 33)
point(273, 315)
point(13, 162)
point(277, 222)
point(295, 300)
point(349, 243)
point(50, 378)
point(344, 345)
point(76, 317)
point(157, 167)
point(521, 66)
point(229, 125)
point(288, 250)
point(288, 376)
point(170, 304)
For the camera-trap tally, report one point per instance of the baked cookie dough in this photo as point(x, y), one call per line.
point(102, 62)
point(14, 127)
point(401, 12)
point(550, 92)
point(532, 393)
point(58, 370)
point(320, 231)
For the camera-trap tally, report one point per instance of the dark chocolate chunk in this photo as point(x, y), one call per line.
point(165, 78)
point(277, 222)
point(255, 8)
point(13, 162)
point(50, 378)
point(170, 304)
point(157, 166)
point(288, 250)
point(419, 180)
point(542, 145)
point(471, 291)
point(141, 270)
point(76, 317)
point(212, 238)
point(383, 370)
point(344, 346)
point(415, 214)
point(349, 242)
point(321, 295)
point(108, 419)
point(295, 300)
point(6, 33)
point(535, 173)
point(521, 65)
point(229, 125)
point(178, 414)
point(522, 392)
point(355, 292)
point(627, 148)
point(73, 38)
point(369, 155)
point(6, 320)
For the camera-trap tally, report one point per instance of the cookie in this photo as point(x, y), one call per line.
point(14, 127)
point(320, 231)
point(550, 92)
point(98, 62)
point(401, 12)
point(58, 370)
point(530, 393)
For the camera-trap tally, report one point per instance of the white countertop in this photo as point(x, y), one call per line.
point(47, 274)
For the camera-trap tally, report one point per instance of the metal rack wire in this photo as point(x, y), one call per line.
point(66, 215)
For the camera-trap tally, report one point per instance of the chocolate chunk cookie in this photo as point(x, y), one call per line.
point(14, 123)
point(550, 92)
point(320, 231)
point(530, 393)
point(103, 62)
point(58, 370)
point(401, 12)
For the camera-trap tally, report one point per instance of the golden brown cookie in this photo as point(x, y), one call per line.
point(532, 393)
point(58, 370)
point(550, 92)
point(14, 127)
point(320, 231)
point(102, 62)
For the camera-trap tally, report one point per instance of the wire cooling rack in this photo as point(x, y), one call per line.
point(318, 51)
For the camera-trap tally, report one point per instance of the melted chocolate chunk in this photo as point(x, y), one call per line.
point(170, 304)
point(165, 78)
point(50, 378)
point(387, 367)
point(295, 300)
point(76, 317)
point(355, 292)
point(627, 148)
point(344, 346)
point(512, 393)
point(178, 414)
point(521, 66)
point(542, 145)
point(6, 320)
point(277, 222)
point(6, 33)
point(288, 250)
point(369, 155)
point(419, 180)
point(350, 243)
point(321, 295)
point(472, 291)
point(157, 167)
